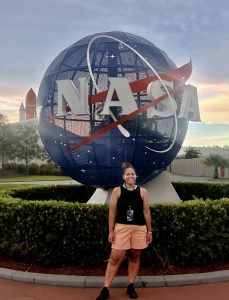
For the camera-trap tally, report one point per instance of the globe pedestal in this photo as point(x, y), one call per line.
point(100, 196)
point(159, 190)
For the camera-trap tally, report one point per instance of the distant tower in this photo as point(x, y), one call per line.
point(30, 105)
point(22, 113)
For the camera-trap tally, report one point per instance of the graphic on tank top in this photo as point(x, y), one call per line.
point(130, 214)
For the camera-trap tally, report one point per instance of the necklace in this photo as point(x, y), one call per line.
point(132, 189)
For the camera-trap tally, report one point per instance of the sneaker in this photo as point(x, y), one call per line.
point(104, 294)
point(131, 291)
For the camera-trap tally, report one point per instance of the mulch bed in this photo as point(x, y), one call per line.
point(100, 270)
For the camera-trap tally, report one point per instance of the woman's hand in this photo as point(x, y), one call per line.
point(111, 237)
point(149, 237)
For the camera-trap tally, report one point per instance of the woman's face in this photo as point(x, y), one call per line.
point(129, 176)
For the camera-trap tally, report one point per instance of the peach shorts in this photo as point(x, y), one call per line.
point(129, 237)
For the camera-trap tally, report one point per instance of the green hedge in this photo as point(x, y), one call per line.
point(52, 232)
point(81, 193)
point(68, 193)
point(194, 232)
point(61, 233)
point(202, 190)
point(35, 169)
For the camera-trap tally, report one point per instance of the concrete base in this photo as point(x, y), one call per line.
point(100, 196)
point(159, 190)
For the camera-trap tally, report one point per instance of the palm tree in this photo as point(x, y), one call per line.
point(191, 152)
point(216, 161)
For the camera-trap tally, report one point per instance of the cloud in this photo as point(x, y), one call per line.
point(204, 134)
point(32, 33)
point(207, 89)
point(10, 107)
point(200, 141)
point(213, 102)
point(214, 110)
point(11, 97)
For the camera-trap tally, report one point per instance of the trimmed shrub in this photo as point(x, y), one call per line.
point(10, 166)
point(33, 169)
point(81, 193)
point(69, 193)
point(192, 190)
point(53, 233)
point(57, 233)
point(60, 233)
point(50, 169)
point(21, 168)
point(194, 232)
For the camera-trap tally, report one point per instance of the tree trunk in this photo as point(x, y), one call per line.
point(26, 162)
point(27, 167)
point(3, 167)
point(216, 174)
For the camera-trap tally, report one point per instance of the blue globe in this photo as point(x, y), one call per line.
point(97, 161)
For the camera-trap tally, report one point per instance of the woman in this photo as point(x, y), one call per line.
point(129, 229)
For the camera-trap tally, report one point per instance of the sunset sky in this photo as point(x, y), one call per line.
point(33, 33)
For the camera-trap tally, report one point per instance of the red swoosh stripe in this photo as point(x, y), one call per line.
point(141, 85)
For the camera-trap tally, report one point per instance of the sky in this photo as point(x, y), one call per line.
point(33, 33)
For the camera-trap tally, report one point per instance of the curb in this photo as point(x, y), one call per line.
point(120, 281)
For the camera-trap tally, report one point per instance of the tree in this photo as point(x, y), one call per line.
point(27, 144)
point(191, 152)
point(44, 155)
point(216, 161)
point(3, 120)
point(6, 142)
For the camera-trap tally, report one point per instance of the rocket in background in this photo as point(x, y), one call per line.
point(22, 112)
point(28, 112)
point(30, 105)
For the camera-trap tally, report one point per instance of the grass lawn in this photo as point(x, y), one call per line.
point(33, 178)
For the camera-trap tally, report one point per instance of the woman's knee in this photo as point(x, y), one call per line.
point(134, 255)
point(116, 259)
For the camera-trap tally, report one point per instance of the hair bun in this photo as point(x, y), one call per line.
point(126, 165)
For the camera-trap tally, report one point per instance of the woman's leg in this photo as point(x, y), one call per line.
point(114, 262)
point(134, 256)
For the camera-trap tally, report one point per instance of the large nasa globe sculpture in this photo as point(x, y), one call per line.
point(114, 97)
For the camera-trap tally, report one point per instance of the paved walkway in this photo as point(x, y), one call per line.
point(18, 285)
point(12, 290)
point(119, 281)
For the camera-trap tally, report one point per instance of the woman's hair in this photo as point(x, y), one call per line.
point(126, 165)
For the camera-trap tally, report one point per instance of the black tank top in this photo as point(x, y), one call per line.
point(130, 200)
